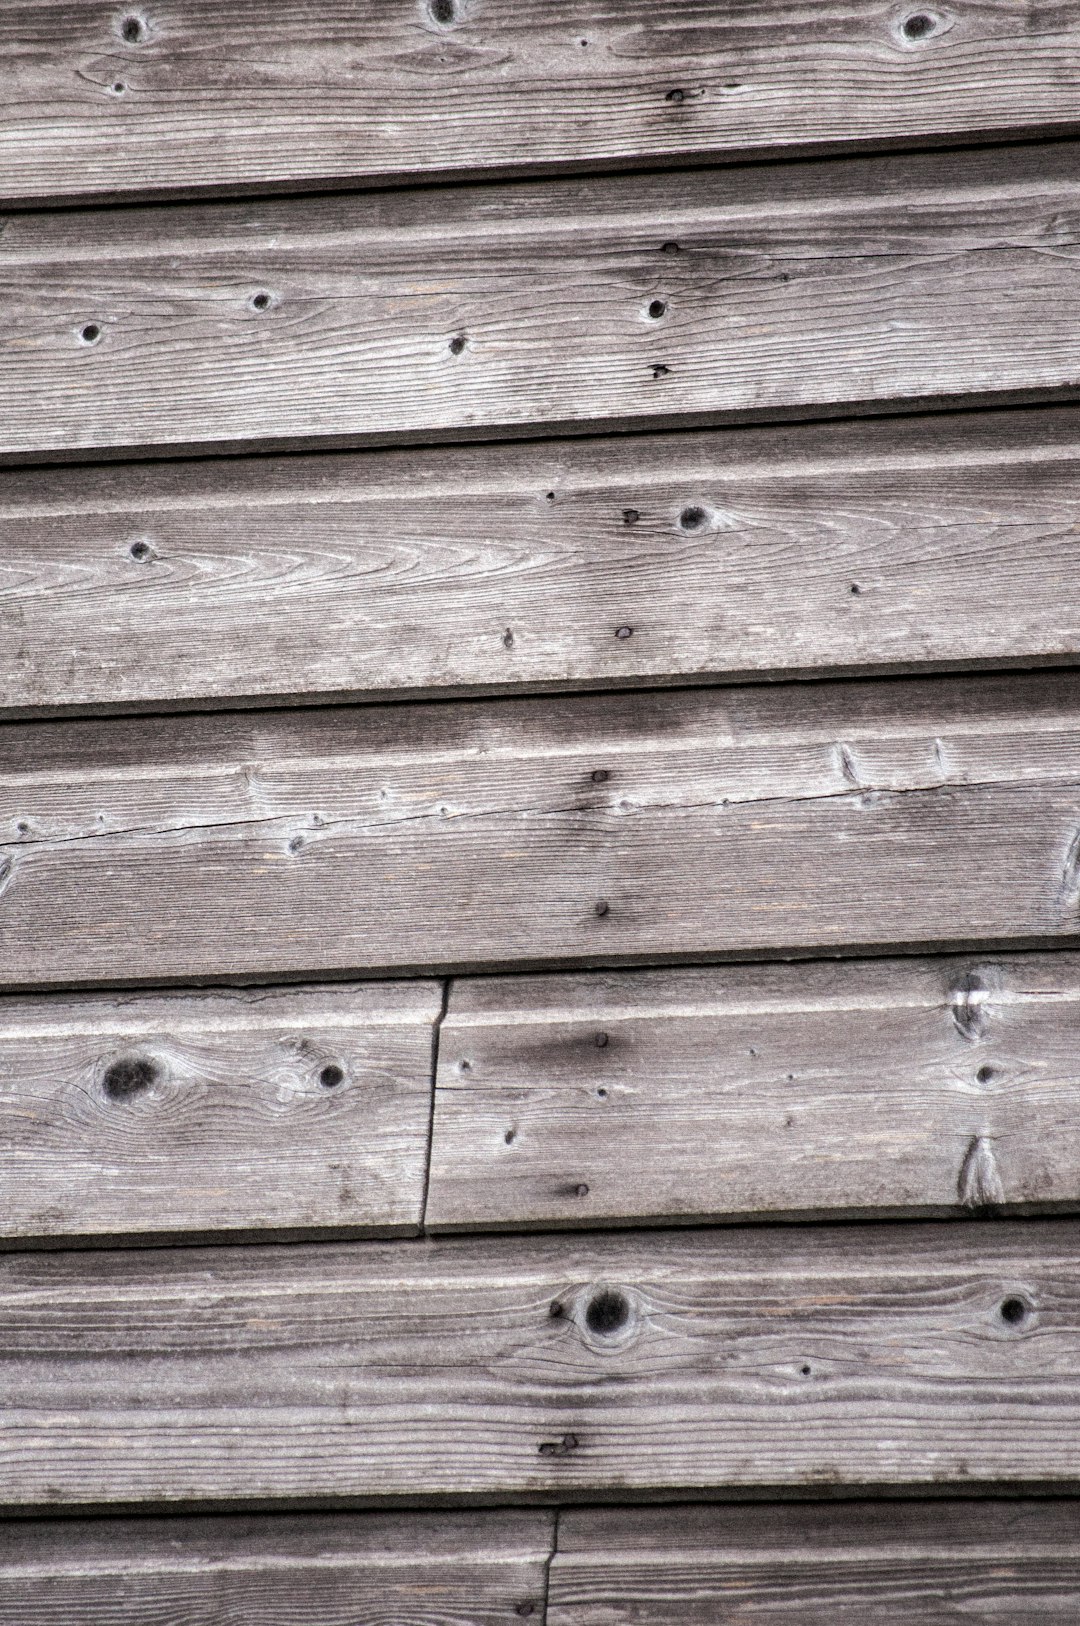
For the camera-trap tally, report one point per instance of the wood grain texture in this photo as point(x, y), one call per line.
point(239, 1111)
point(187, 97)
point(701, 823)
point(458, 313)
point(887, 545)
point(842, 1565)
point(886, 1087)
point(486, 1569)
point(704, 1362)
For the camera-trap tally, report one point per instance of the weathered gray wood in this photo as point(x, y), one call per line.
point(710, 1362)
point(983, 1563)
point(893, 544)
point(102, 102)
point(887, 1087)
point(698, 823)
point(463, 313)
point(486, 1568)
point(302, 1110)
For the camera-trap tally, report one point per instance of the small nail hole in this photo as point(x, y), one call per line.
point(624, 632)
point(630, 516)
point(90, 334)
point(1013, 1311)
point(600, 775)
point(508, 639)
point(118, 88)
point(526, 1609)
point(676, 95)
point(659, 370)
point(465, 1066)
point(260, 302)
point(555, 1310)
point(692, 519)
point(602, 1093)
point(607, 1312)
point(670, 247)
point(657, 309)
point(601, 1041)
point(602, 907)
point(140, 550)
point(510, 1137)
point(581, 1191)
point(550, 496)
point(129, 1077)
point(985, 1074)
point(855, 589)
point(457, 345)
point(331, 1076)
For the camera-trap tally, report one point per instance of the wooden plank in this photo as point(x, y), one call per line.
point(303, 1110)
point(701, 823)
point(326, 1570)
point(463, 313)
point(890, 545)
point(874, 1088)
point(773, 1359)
point(103, 102)
point(838, 1565)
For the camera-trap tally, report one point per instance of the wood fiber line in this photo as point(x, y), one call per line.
point(693, 1363)
point(800, 290)
point(892, 545)
point(244, 1111)
point(686, 824)
point(848, 1088)
point(103, 102)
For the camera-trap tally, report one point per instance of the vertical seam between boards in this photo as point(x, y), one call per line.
point(436, 1032)
point(547, 1567)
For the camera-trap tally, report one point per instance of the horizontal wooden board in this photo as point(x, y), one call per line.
point(693, 824)
point(893, 544)
point(450, 313)
point(770, 1091)
point(301, 1110)
point(840, 1565)
point(103, 102)
point(704, 1362)
point(369, 1569)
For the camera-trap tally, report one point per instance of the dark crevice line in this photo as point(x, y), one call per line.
point(436, 1034)
point(552, 1554)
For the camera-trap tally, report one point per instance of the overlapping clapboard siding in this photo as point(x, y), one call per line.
point(303, 1110)
point(316, 1570)
point(686, 824)
point(769, 1091)
point(904, 1087)
point(716, 1362)
point(822, 1566)
point(449, 313)
point(104, 101)
point(912, 543)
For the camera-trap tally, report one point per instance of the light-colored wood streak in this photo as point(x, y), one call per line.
point(768, 1091)
point(710, 1362)
point(450, 313)
point(843, 1565)
point(692, 824)
point(366, 1569)
point(888, 545)
point(101, 101)
point(302, 1110)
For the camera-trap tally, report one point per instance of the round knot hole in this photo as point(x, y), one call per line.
point(133, 30)
point(90, 334)
point(657, 309)
point(1013, 1311)
point(457, 345)
point(985, 1074)
point(607, 1312)
point(917, 26)
point(630, 516)
point(331, 1076)
point(693, 519)
point(140, 550)
point(260, 301)
point(129, 1077)
point(443, 12)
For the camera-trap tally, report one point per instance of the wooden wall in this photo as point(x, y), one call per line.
point(539, 813)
